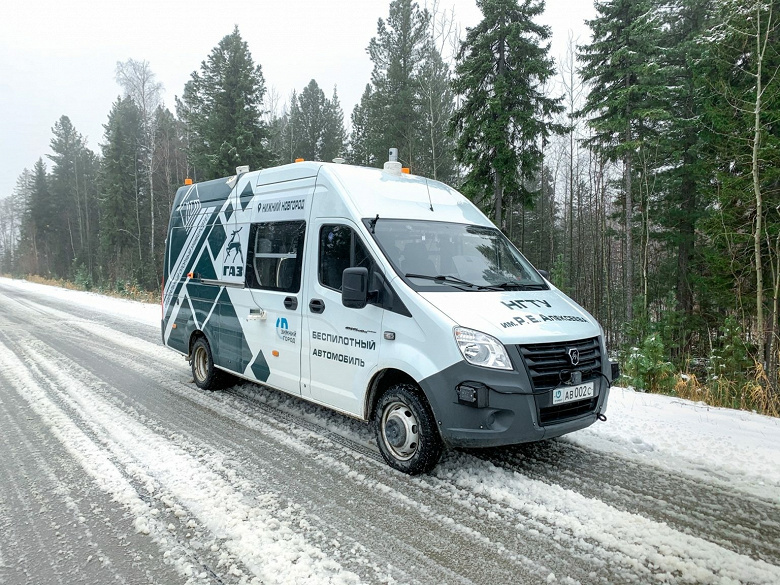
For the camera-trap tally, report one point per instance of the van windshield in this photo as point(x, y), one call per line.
point(435, 255)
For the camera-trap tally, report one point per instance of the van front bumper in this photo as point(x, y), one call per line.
point(505, 410)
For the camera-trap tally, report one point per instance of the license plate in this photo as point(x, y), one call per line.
point(572, 393)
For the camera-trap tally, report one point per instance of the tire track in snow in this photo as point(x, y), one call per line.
point(664, 562)
point(50, 506)
point(84, 451)
point(558, 515)
point(267, 544)
point(443, 523)
point(310, 445)
point(732, 519)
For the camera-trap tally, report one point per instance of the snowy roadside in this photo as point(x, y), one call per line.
point(145, 313)
point(739, 448)
point(250, 485)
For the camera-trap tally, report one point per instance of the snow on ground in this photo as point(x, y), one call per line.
point(689, 437)
point(146, 313)
point(733, 448)
point(740, 447)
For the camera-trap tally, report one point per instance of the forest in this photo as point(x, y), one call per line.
point(642, 170)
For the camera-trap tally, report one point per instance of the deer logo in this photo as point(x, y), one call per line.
point(235, 247)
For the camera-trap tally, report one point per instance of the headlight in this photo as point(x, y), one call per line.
point(481, 349)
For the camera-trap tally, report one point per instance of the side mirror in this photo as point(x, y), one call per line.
point(354, 287)
point(544, 273)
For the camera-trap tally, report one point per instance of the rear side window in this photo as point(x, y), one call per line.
point(340, 248)
point(276, 256)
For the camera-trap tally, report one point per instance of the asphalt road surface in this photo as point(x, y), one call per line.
point(116, 468)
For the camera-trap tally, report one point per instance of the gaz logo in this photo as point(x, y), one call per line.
point(284, 332)
point(233, 253)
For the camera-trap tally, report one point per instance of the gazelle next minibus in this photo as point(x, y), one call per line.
point(381, 295)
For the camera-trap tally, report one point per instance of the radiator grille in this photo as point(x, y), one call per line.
point(546, 360)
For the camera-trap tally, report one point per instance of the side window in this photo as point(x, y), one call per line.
point(276, 256)
point(340, 248)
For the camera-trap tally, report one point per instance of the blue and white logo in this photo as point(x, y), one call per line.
point(284, 332)
point(558, 394)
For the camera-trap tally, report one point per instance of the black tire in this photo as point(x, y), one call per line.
point(204, 372)
point(406, 430)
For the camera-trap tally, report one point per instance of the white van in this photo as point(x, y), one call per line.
point(382, 295)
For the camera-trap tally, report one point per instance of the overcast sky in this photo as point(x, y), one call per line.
point(59, 56)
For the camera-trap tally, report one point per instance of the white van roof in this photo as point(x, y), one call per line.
point(373, 192)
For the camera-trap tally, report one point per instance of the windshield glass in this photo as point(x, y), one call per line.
point(441, 256)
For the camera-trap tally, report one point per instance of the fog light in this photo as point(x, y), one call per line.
point(473, 394)
point(467, 394)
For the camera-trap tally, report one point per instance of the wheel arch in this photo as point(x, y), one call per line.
point(194, 336)
point(383, 380)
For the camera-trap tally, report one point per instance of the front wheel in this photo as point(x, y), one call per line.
point(406, 430)
point(204, 372)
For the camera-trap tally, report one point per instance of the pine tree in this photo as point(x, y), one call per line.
point(505, 115)
point(222, 109)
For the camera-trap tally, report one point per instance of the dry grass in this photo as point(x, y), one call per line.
point(754, 393)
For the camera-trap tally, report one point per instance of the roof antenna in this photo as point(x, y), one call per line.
point(429, 194)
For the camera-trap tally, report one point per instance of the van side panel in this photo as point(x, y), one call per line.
point(194, 228)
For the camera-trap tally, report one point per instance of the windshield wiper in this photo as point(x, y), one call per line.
point(452, 280)
point(442, 278)
point(514, 285)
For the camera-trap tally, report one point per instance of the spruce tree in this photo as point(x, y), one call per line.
point(616, 66)
point(222, 109)
point(361, 147)
point(397, 51)
point(681, 201)
point(42, 225)
point(505, 114)
point(73, 178)
point(334, 136)
point(122, 225)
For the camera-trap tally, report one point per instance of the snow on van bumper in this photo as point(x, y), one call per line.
point(513, 412)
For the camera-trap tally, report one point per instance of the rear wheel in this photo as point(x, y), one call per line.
point(205, 374)
point(406, 430)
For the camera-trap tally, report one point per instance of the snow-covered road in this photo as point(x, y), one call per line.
point(114, 467)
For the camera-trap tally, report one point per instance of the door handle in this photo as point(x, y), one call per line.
point(316, 305)
point(291, 303)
